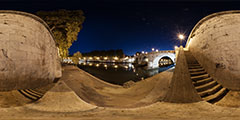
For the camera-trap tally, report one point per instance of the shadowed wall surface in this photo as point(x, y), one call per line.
point(215, 42)
point(28, 52)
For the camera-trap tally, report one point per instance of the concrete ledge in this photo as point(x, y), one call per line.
point(181, 88)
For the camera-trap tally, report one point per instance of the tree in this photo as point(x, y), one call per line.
point(77, 54)
point(75, 57)
point(65, 26)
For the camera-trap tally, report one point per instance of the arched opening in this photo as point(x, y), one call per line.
point(165, 61)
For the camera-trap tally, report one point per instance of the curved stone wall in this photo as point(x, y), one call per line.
point(215, 43)
point(28, 52)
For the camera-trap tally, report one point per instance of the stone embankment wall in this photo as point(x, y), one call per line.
point(28, 52)
point(215, 43)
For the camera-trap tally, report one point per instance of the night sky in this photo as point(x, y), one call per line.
point(134, 25)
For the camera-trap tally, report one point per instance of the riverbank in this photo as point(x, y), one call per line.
point(100, 93)
point(155, 111)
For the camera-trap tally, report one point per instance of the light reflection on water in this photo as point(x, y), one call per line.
point(119, 73)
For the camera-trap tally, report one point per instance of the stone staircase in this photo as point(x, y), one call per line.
point(208, 88)
point(31, 94)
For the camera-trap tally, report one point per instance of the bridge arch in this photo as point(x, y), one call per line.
point(155, 62)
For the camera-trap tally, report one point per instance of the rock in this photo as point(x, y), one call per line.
point(128, 84)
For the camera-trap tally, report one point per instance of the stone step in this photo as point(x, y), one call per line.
point(199, 77)
point(217, 96)
point(196, 70)
point(34, 92)
point(29, 95)
point(194, 64)
point(206, 86)
point(198, 73)
point(203, 81)
point(211, 91)
point(194, 67)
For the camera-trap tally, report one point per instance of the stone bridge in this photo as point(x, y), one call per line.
point(153, 59)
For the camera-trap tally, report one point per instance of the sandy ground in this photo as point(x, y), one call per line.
point(159, 110)
point(146, 106)
point(100, 93)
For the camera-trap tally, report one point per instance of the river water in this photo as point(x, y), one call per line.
point(119, 73)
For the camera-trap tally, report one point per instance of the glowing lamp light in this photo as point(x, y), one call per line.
point(97, 65)
point(105, 58)
point(142, 52)
point(156, 50)
point(115, 66)
point(181, 36)
point(146, 59)
point(153, 49)
point(115, 58)
point(176, 47)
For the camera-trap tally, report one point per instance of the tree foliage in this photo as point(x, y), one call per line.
point(65, 26)
point(77, 54)
point(75, 57)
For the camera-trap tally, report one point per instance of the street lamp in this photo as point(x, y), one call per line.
point(153, 49)
point(181, 38)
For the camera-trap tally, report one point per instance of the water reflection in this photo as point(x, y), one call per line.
point(119, 73)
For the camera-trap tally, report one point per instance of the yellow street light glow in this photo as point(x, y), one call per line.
point(105, 65)
point(156, 50)
point(97, 58)
point(146, 59)
point(90, 58)
point(175, 47)
point(115, 58)
point(90, 64)
point(97, 65)
point(115, 66)
point(105, 58)
point(181, 36)
point(153, 49)
point(126, 67)
point(142, 52)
